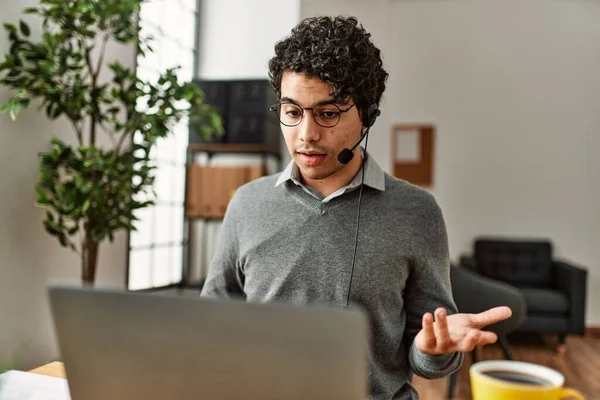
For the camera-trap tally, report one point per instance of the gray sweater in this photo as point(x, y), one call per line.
point(279, 242)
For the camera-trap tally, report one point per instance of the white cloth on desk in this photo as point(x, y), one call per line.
point(19, 385)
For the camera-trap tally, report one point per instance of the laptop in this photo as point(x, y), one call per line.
point(122, 345)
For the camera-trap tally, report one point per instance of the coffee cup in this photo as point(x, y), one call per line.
point(508, 380)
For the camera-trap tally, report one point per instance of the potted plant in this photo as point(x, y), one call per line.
point(90, 191)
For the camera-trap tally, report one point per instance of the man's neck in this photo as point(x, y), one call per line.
point(338, 180)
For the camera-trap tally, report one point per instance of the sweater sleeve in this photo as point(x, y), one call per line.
point(428, 288)
point(225, 278)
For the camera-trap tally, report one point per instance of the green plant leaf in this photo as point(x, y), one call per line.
point(15, 108)
point(6, 107)
point(62, 239)
point(50, 228)
point(10, 28)
point(24, 28)
point(42, 196)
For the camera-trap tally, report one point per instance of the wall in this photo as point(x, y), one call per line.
point(514, 89)
point(237, 36)
point(29, 258)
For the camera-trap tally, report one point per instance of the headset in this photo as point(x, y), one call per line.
point(344, 157)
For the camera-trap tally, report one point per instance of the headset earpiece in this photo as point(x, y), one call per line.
point(371, 115)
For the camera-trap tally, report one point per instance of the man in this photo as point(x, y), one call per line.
point(291, 237)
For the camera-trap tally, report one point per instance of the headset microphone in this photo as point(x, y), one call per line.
point(346, 155)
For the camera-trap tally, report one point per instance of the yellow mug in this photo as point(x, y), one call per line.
point(508, 380)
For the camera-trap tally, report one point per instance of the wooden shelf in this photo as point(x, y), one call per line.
point(233, 148)
point(210, 188)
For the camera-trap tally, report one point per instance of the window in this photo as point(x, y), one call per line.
point(156, 249)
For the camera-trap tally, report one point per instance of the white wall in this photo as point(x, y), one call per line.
point(30, 258)
point(514, 88)
point(237, 36)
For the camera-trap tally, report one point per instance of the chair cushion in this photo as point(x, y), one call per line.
point(548, 324)
point(545, 301)
point(518, 262)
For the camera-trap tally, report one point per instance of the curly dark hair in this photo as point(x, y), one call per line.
point(337, 50)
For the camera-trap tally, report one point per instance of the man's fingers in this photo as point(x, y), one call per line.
point(428, 335)
point(490, 316)
point(440, 328)
point(487, 338)
point(435, 337)
point(475, 338)
point(469, 341)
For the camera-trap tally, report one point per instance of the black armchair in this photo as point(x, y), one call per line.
point(555, 291)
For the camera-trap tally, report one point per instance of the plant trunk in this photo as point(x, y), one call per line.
point(89, 257)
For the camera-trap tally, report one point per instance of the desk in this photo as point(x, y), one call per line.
point(56, 369)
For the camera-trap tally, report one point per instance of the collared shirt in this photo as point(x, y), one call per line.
point(374, 177)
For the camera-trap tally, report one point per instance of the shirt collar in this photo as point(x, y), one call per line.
point(374, 175)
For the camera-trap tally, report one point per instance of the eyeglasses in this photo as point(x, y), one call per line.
point(291, 114)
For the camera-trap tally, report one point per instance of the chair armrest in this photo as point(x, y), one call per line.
point(572, 281)
point(468, 262)
point(475, 293)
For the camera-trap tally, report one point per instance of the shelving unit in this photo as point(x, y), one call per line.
point(211, 149)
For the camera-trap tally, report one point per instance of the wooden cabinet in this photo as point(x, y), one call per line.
point(211, 187)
